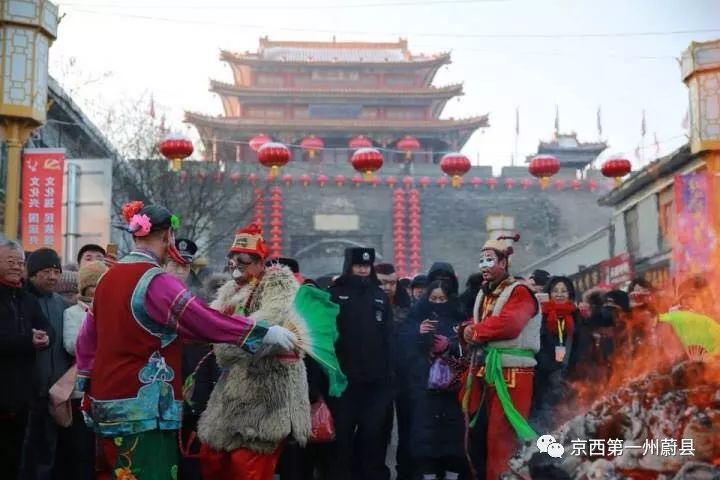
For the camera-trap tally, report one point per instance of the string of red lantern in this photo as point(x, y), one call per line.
point(391, 182)
point(414, 236)
point(399, 232)
point(276, 209)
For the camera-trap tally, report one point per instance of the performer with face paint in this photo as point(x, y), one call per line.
point(504, 334)
point(128, 353)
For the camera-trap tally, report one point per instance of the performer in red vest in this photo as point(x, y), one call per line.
point(504, 334)
point(128, 353)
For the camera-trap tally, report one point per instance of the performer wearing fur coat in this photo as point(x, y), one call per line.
point(258, 401)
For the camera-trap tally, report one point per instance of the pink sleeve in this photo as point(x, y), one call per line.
point(170, 304)
point(85, 350)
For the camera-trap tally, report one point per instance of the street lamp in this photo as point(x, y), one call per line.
point(701, 73)
point(27, 28)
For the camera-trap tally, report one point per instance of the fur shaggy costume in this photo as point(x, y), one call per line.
point(260, 399)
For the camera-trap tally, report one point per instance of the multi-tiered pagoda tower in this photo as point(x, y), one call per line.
point(334, 91)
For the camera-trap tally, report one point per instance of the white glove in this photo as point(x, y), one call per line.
point(282, 337)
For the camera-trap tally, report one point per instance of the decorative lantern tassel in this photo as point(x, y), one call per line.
point(618, 181)
point(544, 182)
point(311, 154)
point(368, 175)
point(456, 181)
point(408, 155)
point(176, 164)
point(274, 170)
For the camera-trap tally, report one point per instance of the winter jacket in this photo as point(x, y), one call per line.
point(54, 361)
point(365, 325)
point(19, 314)
point(440, 269)
point(438, 425)
point(403, 338)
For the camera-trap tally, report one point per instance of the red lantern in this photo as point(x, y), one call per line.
point(235, 177)
point(270, 178)
point(509, 183)
point(275, 222)
point(408, 182)
point(476, 182)
point(305, 179)
point(375, 182)
point(253, 178)
point(616, 168)
point(559, 185)
point(176, 147)
point(339, 180)
point(592, 185)
point(360, 142)
point(273, 155)
point(311, 145)
point(492, 183)
point(425, 182)
point(455, 165)
point(544, 167)
point(575, 185)
point(276, 215)
point(287, 179)
point(367, 161)
point(258, 141)
point(322, 180)
point(408, 145)
point(357, 180)
point(525, 183)
point(391, 182)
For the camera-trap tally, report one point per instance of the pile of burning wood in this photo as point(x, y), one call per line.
point(665, 425)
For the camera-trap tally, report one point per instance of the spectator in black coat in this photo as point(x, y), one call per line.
point(417, 288)
point(400, 301)
point(43, 271)
point(365, 351)
point(560, 318)
point(23, 330)
point(438, 425)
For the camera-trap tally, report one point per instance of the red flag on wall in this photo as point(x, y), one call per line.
point(42, 194)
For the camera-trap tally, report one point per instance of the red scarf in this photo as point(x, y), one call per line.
point(557, 313)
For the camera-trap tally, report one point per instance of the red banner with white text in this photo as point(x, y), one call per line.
point(42, 194)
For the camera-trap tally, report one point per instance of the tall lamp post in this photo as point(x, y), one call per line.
point(27, 28)
point(701, 73)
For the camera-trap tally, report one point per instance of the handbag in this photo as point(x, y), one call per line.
point(445, 373)
point(322, 425)
point(60, 406)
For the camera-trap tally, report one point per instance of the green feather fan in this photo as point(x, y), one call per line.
point(316, 329)
point(699, 334)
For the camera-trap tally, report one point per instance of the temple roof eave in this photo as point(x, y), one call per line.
point(222, 88)
point(348, 126)
point(252, 59)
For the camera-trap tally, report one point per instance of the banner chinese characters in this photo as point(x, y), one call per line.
point(42, 193)
point(694, 246)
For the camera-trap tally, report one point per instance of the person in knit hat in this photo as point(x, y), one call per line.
point(81, 456)
point(67, 286)
point(44, 270)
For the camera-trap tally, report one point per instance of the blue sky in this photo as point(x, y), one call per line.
point(525, 54)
